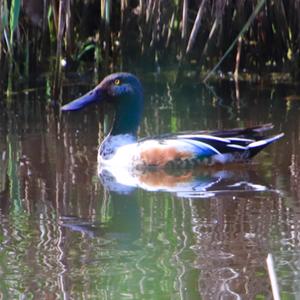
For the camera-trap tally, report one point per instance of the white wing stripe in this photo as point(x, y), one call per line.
point(236, 147)
point(258, 143)
point(235, 139)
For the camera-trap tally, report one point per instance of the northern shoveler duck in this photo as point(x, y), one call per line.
point(121, 147)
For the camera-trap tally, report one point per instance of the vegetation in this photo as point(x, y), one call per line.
point(106, 34)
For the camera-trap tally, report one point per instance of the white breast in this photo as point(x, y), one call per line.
point(117, 151)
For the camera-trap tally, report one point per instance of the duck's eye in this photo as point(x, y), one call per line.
point(117, 82)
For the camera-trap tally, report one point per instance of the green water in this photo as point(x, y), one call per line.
point(65, 234)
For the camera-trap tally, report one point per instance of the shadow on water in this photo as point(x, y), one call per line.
point(65, 232)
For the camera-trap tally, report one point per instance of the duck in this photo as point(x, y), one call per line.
point(121, 148)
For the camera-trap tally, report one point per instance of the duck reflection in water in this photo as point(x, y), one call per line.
point(201, 183)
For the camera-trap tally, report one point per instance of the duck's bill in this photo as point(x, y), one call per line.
point(91, 97)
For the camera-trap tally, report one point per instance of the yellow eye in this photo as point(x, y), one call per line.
point(117, 82)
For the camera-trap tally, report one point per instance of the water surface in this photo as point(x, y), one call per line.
point(68, 234)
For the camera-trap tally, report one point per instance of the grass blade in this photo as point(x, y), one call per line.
point(14, 18)
point(273, 278)
point(196, 27)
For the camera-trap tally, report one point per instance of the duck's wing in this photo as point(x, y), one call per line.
point(246, 147)
point(249, 132)
point(254, 132)
point(222, 146)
